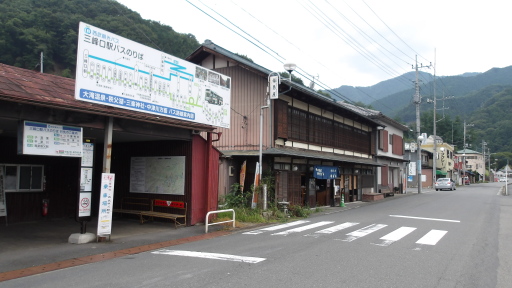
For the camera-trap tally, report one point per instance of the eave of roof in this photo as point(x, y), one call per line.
point(305, 154)
point(40, 89)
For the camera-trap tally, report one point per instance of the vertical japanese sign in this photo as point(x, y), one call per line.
point(3, 206)
point(115, 71)
point(84, 195)
point(106, 204)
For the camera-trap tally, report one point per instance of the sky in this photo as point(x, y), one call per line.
point(351, 42)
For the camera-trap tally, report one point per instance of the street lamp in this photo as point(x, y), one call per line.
point(420, 139)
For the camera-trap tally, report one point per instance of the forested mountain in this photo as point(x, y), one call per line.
point(401, 103)
point(489, 120)
point(29, 27)
point(367, 95)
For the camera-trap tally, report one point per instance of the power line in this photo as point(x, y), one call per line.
point(392, 30)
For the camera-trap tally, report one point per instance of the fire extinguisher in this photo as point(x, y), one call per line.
point(45, 207)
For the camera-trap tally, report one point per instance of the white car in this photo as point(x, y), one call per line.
point(444, 183)
point(503, 179)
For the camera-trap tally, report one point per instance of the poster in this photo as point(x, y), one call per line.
point(86, 179)
point(84, 208)
point(50, 140)
point(87, 154)
point(106, 204)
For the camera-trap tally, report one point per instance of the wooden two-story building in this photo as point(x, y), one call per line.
point(315, 148)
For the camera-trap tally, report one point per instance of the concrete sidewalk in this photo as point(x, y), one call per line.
point(32, 248)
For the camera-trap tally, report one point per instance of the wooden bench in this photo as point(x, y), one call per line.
point(386, 191)
point(134, 205)
point(166, 209)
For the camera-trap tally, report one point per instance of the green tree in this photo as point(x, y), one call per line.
point(321, 92)
point(295, 79)
point(29, 27)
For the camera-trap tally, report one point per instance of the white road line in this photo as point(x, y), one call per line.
point(395, 235)
point(215, 256)
point(422, 218)
point(277, 227)
point(333, 229)
point(432, 237)
point(303, 228)
point(363, 232)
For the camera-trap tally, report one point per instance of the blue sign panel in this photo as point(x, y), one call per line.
point(326, 172)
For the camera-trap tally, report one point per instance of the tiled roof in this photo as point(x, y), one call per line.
point(209, 47)
point(41, 89)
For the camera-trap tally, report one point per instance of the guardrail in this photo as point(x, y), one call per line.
point(216, 223)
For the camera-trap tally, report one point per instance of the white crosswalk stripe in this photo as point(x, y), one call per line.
point(363, 232)
point(303, 228)
point(333, 229)
point(395, 235)
point(274, 228)
point(431, 238)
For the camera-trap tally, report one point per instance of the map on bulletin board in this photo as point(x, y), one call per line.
point(158, 175)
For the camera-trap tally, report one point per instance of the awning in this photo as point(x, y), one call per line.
point(442, 173)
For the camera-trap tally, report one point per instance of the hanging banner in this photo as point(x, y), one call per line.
point(242, 175)
point(3, 204)
point(256, 184)
point(106, 203)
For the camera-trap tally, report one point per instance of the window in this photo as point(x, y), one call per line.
point(311, 128)
point(24, 178)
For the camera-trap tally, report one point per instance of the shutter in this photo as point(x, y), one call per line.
point(282, 186)
point(384, 172)
point(385, 141)
point(397, 145)
point(281, 119)
point(372, 144)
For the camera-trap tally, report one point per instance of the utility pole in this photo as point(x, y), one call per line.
point(464, 153)
point(483, 152)
point(434, 176)
point(417, 101)
point(434, 101)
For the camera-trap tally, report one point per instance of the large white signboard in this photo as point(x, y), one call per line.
point(51, 139)
point(106, 204)
point(115, 71)
point(158, 175)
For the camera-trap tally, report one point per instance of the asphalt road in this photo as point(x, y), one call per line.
point(460, 238)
